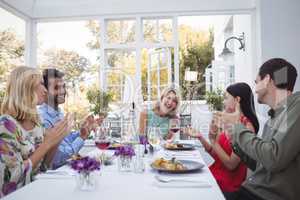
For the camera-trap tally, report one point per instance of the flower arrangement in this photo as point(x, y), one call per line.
point(126, 150)
point(125, 154)
point(85, 165)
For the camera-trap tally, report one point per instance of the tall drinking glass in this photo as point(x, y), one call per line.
point(154, 137)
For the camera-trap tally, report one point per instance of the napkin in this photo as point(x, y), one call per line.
point(52, 174)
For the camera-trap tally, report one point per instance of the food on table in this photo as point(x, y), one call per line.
point(76, 157)
point(115, 145)
point(173, 146)
point(168, 164)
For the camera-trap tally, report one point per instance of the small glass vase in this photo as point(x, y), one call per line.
point(125, 163)
point(86, 181)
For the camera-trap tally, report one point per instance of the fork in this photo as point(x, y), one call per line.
point(167, 180)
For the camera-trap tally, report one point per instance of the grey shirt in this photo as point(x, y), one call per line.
point(277, 174)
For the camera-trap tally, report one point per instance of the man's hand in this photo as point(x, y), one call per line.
point(90, 124)
point(222, 118)
point(86, 127)
point(226, 121)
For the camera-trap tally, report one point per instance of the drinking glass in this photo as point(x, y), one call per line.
point(102, 140)
point(154, 137)
point(174, 125)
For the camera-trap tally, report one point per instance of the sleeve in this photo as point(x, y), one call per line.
point(247, 160)
point(276, 153)
point(70, 145)
point(15, 172)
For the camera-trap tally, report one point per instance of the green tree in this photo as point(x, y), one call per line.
point(70, 62)
point(196, 52)
point(11, 52)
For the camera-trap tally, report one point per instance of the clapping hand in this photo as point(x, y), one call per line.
point(189, 131)
point(89, 124)
point(62, 128)
point(222, 118)
point(226, 121)
point(214, 133)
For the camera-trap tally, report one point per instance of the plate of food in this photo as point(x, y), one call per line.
point(179, 146)
point(176, 166)
point(114, 145)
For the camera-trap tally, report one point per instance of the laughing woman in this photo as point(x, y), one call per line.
point(161, 113)
point(25, 147)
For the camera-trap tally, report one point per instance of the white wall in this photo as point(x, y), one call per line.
point(243, 60)
point(280, 31)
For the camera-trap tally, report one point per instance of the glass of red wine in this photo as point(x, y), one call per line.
point(102, 141)
point(174, 126)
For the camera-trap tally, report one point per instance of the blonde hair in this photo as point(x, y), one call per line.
point(20, 98)
point(165, 92)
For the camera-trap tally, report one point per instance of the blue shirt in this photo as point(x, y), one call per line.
point(70, 145)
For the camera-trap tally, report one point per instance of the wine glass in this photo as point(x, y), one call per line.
point(154, 137)
point(174, 125)
point(102, 140)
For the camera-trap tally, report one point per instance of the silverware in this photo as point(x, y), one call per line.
point(50, 172)
point(170, 179)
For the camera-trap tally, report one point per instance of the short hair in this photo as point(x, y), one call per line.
point(51, 73)
point(20, 99)
point(283, 73)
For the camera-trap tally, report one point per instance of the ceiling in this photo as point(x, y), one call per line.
point(47, 9)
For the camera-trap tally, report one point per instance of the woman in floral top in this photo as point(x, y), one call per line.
point(24, 145)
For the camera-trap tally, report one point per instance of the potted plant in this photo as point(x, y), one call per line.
point(215, 99)
point(99, 101)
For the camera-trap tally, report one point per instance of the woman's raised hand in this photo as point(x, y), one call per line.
point(62, 128)
point(189, 131)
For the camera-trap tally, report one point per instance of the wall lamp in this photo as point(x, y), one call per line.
point(241, 39)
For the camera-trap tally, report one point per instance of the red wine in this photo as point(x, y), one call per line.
point(102, 144)
point(174, 130)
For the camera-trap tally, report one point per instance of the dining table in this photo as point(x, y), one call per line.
point(112, 184)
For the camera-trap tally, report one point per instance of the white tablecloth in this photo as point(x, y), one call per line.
point(114, 185)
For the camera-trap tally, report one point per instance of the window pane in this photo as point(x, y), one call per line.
point(120, 71)
point(12, 44)
point(165, 30)
point(120, 31)
point(150, 31)
point(157, 30)
point(121, 59)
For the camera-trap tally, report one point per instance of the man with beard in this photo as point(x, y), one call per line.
point(50, 114)
point(277, 152)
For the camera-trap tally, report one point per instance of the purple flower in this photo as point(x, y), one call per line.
point(126, 150)
point(10, 125)
point(9, 187)
point(143, 139)
point(85, 164)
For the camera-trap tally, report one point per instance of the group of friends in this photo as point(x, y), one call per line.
point(35, 135)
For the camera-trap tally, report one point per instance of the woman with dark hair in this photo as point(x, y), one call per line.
point(228, 169)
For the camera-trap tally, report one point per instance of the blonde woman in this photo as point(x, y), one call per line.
point(24, 145)
point(161, 113)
